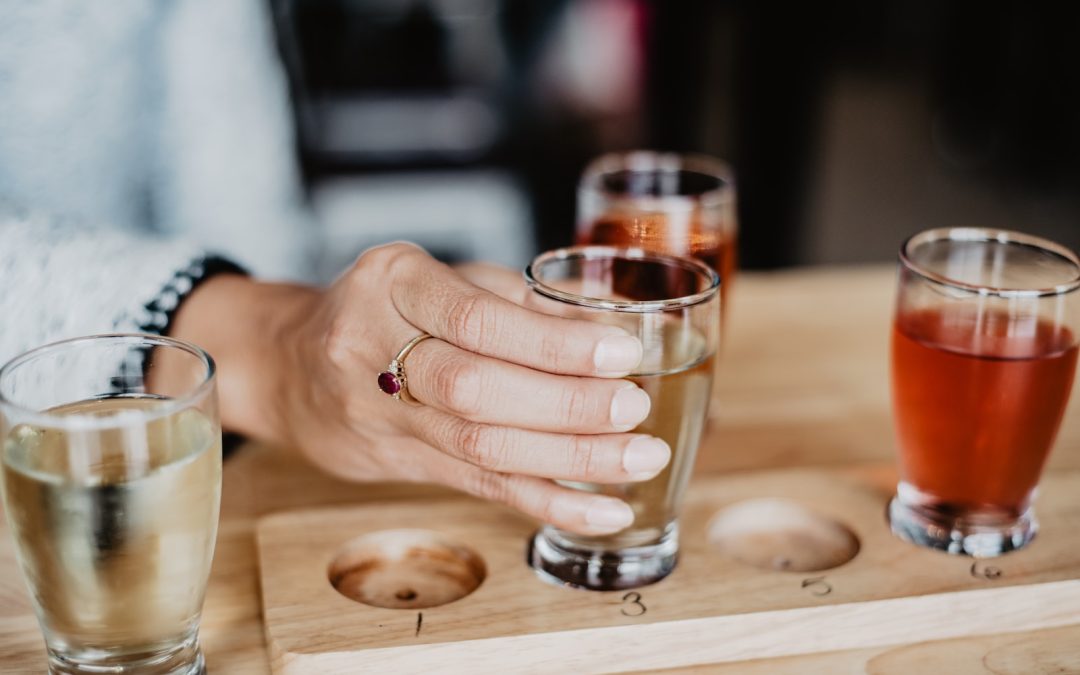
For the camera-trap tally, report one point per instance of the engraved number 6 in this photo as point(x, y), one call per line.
point(989, 572)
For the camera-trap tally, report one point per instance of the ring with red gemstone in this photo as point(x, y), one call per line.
point(392, 381)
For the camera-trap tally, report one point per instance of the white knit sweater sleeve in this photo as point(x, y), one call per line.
point(62, 279)
point(228, 175)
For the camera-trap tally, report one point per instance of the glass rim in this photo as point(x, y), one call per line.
point(80, 421)
point(591, 252)
point(657, 160)
point(989, 234)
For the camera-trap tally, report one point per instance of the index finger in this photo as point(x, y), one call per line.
point(438, 301)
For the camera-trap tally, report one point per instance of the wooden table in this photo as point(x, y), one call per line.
point(803, 380)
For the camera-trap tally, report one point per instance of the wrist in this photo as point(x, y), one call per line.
point(249, 328)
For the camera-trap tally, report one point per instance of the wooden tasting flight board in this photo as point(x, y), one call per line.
point(712, 609)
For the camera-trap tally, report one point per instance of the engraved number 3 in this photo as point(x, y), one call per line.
point(632, 605)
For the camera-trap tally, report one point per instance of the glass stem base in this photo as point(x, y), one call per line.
point(978, 535)
point(560, 562)
point(183, 659)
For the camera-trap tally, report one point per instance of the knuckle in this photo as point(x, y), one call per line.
point(381, 259)
point(480, 445)
point(388, 254)
point(490, 486)
point(586, 457)
point(574, 406)
point(367, 262)
point(553, 350)
point(457, 383)
point(472, 321)
point(547, 511)
point(338, 341)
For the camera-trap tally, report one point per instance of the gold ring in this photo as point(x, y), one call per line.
point(393, 381)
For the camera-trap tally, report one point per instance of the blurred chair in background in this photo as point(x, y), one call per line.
point(398, 111)
point(850, 125)
point(465, 124)
point(456, 215)
point(431, 120)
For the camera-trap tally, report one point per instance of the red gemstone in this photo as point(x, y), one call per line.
point(388, 383)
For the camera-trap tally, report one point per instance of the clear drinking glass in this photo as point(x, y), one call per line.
point(664, 203)
point(673, 306)
point(984, 351)
point(111, 467)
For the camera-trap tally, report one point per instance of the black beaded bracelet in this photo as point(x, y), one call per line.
point(162, 309)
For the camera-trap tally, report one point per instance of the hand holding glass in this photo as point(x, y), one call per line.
point(672, 305)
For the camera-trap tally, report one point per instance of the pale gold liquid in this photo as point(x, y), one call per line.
point(680, 395)
point(115, 529)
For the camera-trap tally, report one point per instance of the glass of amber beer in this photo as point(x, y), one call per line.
point(673, 306)
point(662, 202)
point(984, 349)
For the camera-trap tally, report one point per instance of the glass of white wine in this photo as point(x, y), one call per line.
point(671, 304)
point(111, 468)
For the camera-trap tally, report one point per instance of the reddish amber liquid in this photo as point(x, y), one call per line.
point(977, 403)
point(654, 232)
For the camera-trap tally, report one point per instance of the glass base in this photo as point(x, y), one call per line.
point(558, 561)
point(185, 659)
point(978, 535)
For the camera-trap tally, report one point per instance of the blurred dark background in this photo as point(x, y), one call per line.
point(465, 124)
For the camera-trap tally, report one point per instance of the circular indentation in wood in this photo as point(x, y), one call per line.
point(405, 569)
point(780, 534)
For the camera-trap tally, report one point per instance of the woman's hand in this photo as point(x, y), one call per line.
point(510, 398)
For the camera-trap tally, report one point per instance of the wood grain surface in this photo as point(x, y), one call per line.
point(802, 380)
point(713, 607)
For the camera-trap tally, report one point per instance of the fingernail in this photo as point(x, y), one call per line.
point(629, 407)
point(645, 456)
point(610, 515)
point(617, 354)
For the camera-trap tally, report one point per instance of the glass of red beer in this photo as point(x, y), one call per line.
point(984, 349)
point(664, 203)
